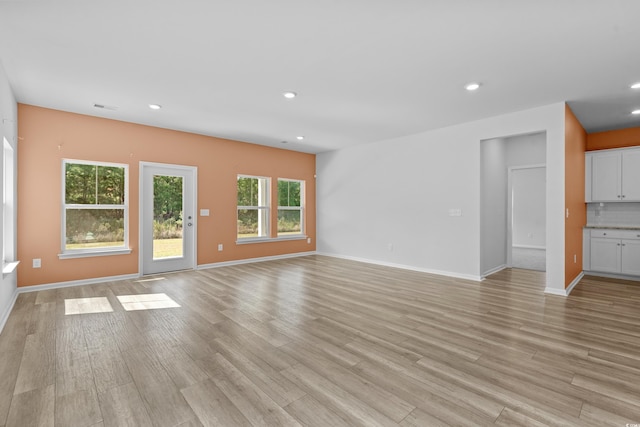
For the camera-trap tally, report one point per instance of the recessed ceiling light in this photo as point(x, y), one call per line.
point(289, 95)
point(635, 112)
point(472, 86)
point(635, 85)
point(155, 106)
point(300, 138)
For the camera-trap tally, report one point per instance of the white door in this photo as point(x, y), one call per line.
point(167, 217)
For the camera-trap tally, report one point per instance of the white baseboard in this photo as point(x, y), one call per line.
point(566, 291)
point(96, 280)
point(252, 260)
point(574, 283)
point(7, 311)
point(493, 270)
point(543, 248)
point(93, 281)
point(406, 267)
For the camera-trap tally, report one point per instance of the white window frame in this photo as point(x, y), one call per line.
point(266, 207)
point(101, 251)
point(293, 208)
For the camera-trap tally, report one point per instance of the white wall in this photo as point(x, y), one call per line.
point(388, 202)
point(493, 210)
point(8, 130)
point(523, 150)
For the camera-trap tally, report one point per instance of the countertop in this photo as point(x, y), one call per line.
point(614, 227)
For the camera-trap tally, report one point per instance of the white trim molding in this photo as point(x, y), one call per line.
point(407, 267)
point(93, 281)
point(7, 312)
point(564, 292)
point(252, 260)
point(543, 248)
point(493, 271)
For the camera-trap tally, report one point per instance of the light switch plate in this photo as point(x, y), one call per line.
point(204, 212)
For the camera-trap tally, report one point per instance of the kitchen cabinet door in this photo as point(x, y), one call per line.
point(606, 177)
point(630, 257)
point(631, 175)
point(605, 255)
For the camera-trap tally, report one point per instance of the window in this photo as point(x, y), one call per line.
point(253, 207)
point(290, 206)
point(95, 207)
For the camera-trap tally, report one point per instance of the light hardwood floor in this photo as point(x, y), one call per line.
point(323, 342)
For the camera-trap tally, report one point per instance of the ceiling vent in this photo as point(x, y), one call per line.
point(105, 107)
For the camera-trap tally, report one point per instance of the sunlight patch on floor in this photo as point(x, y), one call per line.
point(87, 305)
point(146, 302)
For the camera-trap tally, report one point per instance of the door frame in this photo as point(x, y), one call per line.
point(192, 169)
point(511, 169)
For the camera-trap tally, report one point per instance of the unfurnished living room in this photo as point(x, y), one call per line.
point(356, 213)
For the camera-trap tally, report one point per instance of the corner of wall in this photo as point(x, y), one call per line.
point(8, 130)
point(576, 219)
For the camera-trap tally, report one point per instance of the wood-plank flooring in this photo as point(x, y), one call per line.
point(318, 341)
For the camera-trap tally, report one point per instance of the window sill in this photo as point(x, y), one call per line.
point(9, 267)
point(86, 254)
point(270, 239)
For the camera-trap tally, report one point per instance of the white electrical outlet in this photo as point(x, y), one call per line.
point(220, 247)
point(309, 240)
point(37, 263)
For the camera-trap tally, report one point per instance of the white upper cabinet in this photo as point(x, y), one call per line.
point(613, 175)
point(631, 175)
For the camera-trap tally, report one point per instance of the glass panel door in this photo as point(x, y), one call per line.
point(167, 216)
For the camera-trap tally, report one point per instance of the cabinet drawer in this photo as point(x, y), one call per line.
point(616, 234)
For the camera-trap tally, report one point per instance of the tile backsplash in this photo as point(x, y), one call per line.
point(613, 214)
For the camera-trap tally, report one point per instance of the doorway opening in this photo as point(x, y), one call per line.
point(526, 238)
point(513, 219)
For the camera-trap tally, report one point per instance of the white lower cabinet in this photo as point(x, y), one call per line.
point(615, 251)
point(630, 257)
point(605, 255)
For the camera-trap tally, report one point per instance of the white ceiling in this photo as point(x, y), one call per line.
point(365, 70)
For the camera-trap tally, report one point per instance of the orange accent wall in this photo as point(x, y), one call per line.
point(48, 136)
point(621, 138)
point(575, 146)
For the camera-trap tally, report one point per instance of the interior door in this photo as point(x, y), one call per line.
point(167, 217)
